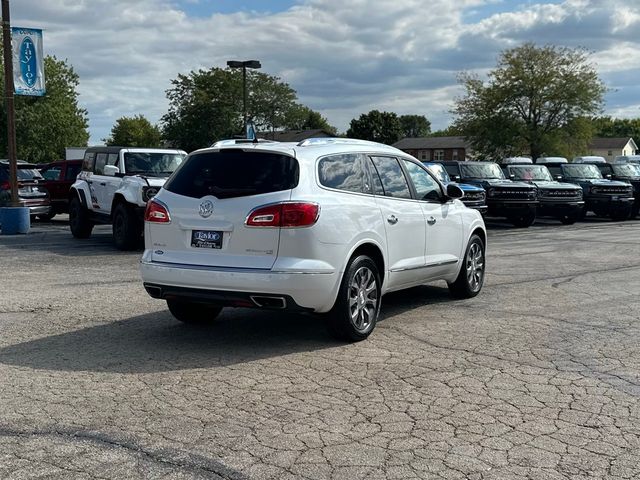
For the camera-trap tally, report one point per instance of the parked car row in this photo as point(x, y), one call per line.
point(519, 190)
point(323, 226)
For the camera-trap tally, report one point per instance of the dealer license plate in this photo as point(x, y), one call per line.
point(206, 239)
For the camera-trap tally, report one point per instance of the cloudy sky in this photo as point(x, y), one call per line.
point(343, 58)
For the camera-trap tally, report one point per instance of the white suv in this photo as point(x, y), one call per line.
point(114, 186)
point(324, 225)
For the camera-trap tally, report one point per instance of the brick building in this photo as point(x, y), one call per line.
point(435, 149)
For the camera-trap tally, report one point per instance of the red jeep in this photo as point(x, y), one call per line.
point(58, 178)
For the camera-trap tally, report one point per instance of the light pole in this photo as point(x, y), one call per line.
point(8, 93)
point(244, 65)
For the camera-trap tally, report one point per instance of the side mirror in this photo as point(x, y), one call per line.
point(456, 178)
point(558, 178)
point(454, 191)
point(512, 176)
point(110, 170)
point(608, 176)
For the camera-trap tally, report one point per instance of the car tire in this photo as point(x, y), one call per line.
point(79, 220)
point(471, 276)
point(126, 228)
point(359, 296)
point(46, 217)
point(193, 313)
point(524, 221)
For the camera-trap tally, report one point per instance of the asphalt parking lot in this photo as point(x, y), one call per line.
point(537, 377)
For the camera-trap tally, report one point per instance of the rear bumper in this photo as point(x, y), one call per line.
point(225, 298)
point(302, 291)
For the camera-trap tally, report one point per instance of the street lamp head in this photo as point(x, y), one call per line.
point(245, 64)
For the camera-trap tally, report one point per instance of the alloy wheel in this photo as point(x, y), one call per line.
point(475, 267)
point(363, 299)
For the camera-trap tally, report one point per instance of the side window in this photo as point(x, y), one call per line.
point(72, 172)
point(555, 171)
point(344, 172)
point(89, 159)
point(392, 179)
point(52, 173)
point(113, 159)
point(101, 160)
point(426, 186)
point(452, 170)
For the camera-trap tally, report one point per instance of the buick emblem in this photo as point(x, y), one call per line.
point(206, 208)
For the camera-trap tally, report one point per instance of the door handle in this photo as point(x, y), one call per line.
point(392, 219)
point(431, 221)
point(103, 184)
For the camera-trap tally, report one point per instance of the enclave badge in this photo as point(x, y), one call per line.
point(206, 208)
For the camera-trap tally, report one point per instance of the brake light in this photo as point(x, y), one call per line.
point(284, 215)
point(156, 212)
point(5, 186)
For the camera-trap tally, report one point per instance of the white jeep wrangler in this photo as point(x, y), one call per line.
point(114, 186)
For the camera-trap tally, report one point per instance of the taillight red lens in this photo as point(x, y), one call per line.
point(285, 215)
point(5, 186)
point(156, 213)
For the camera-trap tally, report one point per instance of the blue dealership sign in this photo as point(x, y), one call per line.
point(28, 61)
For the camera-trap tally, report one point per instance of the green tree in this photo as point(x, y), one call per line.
point(415, 126)
point(450, 131)
point(383, 127)
point(303, 118)
point(617, 127)
point(46, 125)
point(134, 131)
point(206, 105)
point(530, 100)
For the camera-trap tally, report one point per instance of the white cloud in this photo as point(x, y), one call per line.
point(343, 58)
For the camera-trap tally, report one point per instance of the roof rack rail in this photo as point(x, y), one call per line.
point(239, 141)
point(333, 141)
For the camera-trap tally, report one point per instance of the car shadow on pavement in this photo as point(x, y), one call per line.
point(62, 243)
point(156, 342)
point(397, 303)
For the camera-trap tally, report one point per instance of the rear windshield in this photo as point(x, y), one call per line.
point(234, 173)
point(23, 174)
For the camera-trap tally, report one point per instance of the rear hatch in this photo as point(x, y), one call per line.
point(209, 199)
point(30, 184)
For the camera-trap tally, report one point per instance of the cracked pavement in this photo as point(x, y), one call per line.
point(538, 377)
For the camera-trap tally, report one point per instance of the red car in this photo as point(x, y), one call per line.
point(31, 192)
point(58, 178)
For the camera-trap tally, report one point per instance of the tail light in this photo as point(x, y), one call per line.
point(156, 212)
point(5, 186)
point(284, 215)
